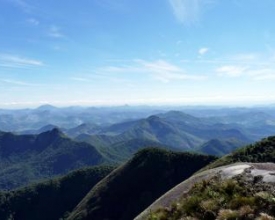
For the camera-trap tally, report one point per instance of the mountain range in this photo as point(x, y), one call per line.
point(122, 193)
point(43, 174)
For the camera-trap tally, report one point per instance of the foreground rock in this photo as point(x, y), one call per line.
point(249, 193)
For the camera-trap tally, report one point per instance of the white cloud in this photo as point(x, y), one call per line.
point(231, 71)
point(14, 61)
point(55, 32)
point(203, 50)
point(247, 71)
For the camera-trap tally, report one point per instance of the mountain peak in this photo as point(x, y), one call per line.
point(46, 107)
point(153, 118)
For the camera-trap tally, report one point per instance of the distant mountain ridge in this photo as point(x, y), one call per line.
point(220, 147)
point(175, 129)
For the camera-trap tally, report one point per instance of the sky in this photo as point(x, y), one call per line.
point(116, 52)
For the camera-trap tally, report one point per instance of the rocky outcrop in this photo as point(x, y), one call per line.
point(249, 173)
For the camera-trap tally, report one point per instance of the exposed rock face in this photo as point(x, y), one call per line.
point(250, 173)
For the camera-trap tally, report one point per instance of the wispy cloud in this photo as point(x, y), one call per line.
point(231, 71)
point(33, 21)
point(159, 70)
point(186, 11)
point(55, 32)
point(14, 61)
point(166, 72)
point(23, 5)
point(80, 79)
point(247, 71)
point(16, 82)
point(263, 74)
point(203, 50)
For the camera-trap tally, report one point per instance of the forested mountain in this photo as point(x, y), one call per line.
point(250, 123)
point(25, 158)
point(51, 199)
point(184, 129)
point(174, 129)
point(136, 184)
point(127, 190)
point(220, 147)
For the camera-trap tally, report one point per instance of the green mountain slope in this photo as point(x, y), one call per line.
point(174, 128)
point(220, 147)
point(135, 185)
point(119, 148)
point(26, 158)
point(52, 199)
point(153, 129)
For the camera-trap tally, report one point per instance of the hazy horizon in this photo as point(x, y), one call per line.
point(110, 53)
point(148, 105)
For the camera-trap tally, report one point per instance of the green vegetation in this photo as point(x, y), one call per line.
point(132, 187)
point(51, 199)
point(119, 149)
point(29, 158)
point(222, 200)
point(262, 151)
point(220, 147)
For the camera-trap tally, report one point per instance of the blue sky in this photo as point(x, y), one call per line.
point(115, 52)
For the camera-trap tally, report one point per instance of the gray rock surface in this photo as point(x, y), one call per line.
point(264, 171)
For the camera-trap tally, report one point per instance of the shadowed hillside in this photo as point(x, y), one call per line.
point(26, 158)
point(133, 186)
point(50, 199)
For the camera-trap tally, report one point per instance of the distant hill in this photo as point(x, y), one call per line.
point(82, 129)
point(26, 158)
point(175, 129)
point(20, 120)
point(51, 199)
point(220, 147)
point(132, 187)
point(156, 129)
point(40, 130)
point(261, 151)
